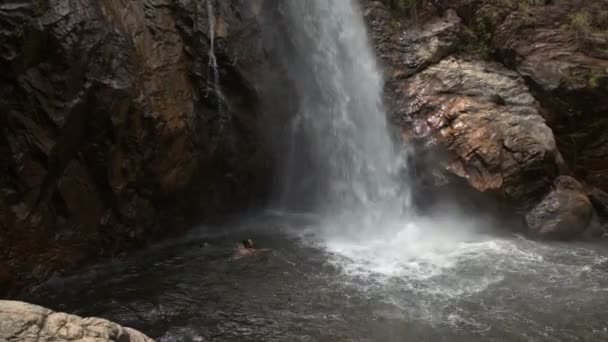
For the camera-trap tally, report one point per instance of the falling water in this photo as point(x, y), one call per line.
point(213, 67)
point(341, 151)
point(214, 77)
point(340, 140)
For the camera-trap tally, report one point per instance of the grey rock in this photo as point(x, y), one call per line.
point(22, 322)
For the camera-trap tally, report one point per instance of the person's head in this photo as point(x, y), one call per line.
point(247, 243)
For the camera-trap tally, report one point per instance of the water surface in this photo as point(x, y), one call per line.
point(452, 288)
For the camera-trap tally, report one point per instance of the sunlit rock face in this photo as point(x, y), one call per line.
point(561, 49)
point(477, 118)
point(25, 322)
point(487, 121)
point(490, 103)
point(109, 126)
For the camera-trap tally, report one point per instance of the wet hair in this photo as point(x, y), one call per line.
point(247, 243)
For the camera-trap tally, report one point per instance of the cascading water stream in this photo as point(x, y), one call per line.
point(214, 75)
point(340, 122)
point(339, 141)
point(213, 67)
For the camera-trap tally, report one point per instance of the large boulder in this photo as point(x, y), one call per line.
point(565, 213)
point(21, 322)
point(483, 125)
point(561, 49)
point(489, 94)
point(471, 119)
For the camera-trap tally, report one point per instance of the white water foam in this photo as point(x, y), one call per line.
point(214, 76)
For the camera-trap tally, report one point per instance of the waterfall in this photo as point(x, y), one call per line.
point(340, 150)
point(214, 76)
point(212, 58)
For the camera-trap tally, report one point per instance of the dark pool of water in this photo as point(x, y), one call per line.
point(507, 289)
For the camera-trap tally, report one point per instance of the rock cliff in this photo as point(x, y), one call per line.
point(499, 99)
point(112, 131)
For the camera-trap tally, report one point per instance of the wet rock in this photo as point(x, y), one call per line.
point(505, 130)
point(561, 49)
point(25, 322)
point(483, 125)
point(570, 77)
point(406, 48)
point(110, 131)
point(565, 213)
point(475, 126)
point(599, 199)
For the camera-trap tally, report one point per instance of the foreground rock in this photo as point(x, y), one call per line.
point(22, 322)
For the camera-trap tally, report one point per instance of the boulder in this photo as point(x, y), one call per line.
point(473, 124)
point(561, 49)
point(565, 213)
point(26, 322)
point(599, 199)
point(483, 125)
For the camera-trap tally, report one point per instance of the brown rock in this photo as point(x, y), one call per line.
point(110, 132)
point(486, 123)
point(406, 48)
point(565, 213)
point(561, 50)
point(474, 125)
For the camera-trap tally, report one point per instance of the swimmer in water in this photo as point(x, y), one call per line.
point(247, 248)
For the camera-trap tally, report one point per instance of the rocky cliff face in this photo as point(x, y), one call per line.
point(501, 99)
point(111, 131)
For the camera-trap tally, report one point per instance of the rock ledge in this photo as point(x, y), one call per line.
point(26, 322)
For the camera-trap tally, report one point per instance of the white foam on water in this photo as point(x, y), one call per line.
point(416, 250)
